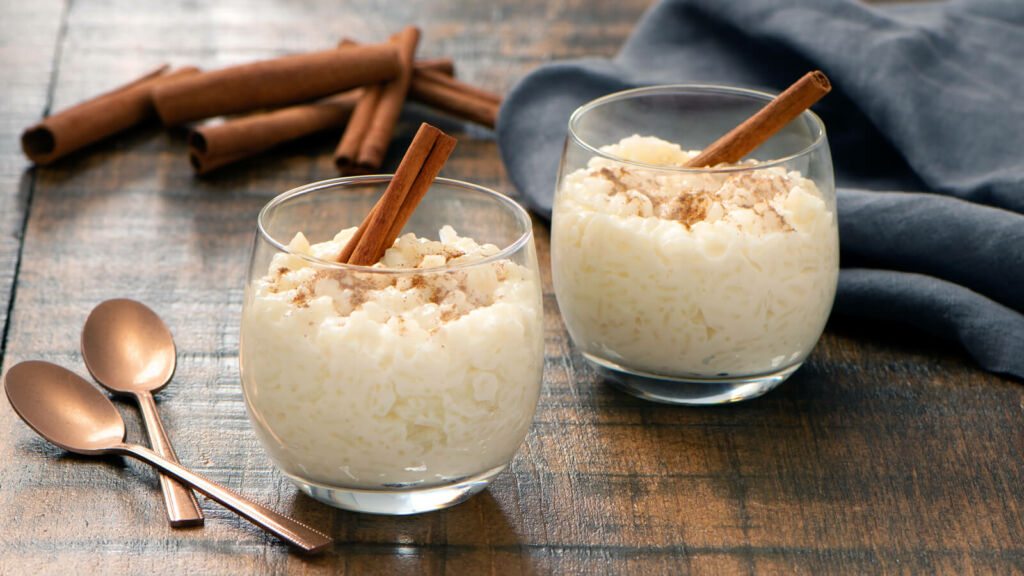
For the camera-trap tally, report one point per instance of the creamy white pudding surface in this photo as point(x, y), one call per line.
point(370, 379)
point(692, 274)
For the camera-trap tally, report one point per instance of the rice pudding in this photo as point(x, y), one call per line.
point(692, 274)
point(419, 371)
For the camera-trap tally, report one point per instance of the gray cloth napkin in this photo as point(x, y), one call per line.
point(925, 121)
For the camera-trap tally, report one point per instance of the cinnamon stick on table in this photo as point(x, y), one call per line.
point(428, 152)
point(96, 119)
point(347, 152)
point(442, 65)
point(277, 82)
point(362, 117)
point(755, 130)
point(454, 97)
point(366, 138)
point(213, 146)
point(431, 86)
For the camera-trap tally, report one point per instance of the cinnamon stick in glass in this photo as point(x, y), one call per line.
point(277, 82)
point(96, 119)
point(365, 142)
point(213, 146)
point(754, 131)
point(422, 162)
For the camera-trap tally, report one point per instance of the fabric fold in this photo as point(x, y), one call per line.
point(991, 333)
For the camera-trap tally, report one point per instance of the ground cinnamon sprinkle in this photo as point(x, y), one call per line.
point(450, 291)
point(609, 175)
point(689, 199)
point(452, 253)
point(302, 296)
point(686, 208)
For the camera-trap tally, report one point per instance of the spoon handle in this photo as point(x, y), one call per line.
point(180, 501)
point(288, 529)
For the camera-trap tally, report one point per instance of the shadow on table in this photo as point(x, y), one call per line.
point(465, 539)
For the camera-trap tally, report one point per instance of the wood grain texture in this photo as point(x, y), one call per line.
point(31, 35)
point(887, 453)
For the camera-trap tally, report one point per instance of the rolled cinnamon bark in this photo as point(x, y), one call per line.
point(355, 131)
point(277, 82)
point(446, 80)
point(420, 165)
point(757, 129)
point(96, 119)
point(211, 147)
point(457, 102)
point(443, 65)
point(392, 97)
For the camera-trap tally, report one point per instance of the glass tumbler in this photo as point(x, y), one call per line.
point(692, 286)
point(392, 390)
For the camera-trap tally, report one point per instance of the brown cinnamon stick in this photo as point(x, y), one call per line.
point(443, 65)
point(373, 143)
point(420, 165)
point(355, 132)
point(449, 82)
point(347, 152)
point(276, 82)
point(755, 130)
point(446, 94)
point(213, 146)
point(442, 149)
point(456, 98)
point(96, 119)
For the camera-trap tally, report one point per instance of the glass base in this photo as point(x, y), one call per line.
point(693, 391)
point(397, 501)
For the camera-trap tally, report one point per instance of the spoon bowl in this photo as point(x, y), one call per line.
point(127, 347)
point(63, 408)
point(69, 412)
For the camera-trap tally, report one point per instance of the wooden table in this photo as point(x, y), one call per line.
point(888, 452)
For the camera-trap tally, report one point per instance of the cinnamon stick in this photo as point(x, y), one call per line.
point(443, 64)
point(420, 165)
point(443, 147)
point(373, 143)
point(96, 119)
point(429, 86)
point(456, 98)
point(272, 83)
point(355, 132)
point(755, 130)
point(213, 146)
point(449, 82)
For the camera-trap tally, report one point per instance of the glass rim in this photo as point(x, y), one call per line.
point(760, 95)
point(520, 214)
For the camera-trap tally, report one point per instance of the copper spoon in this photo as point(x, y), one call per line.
point(129, 351)
point(69, 412)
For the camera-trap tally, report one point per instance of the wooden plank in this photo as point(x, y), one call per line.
point(888, 452)
point(31, 34)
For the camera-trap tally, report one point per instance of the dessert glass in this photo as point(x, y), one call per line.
point(722, 294)
point(401, 411)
